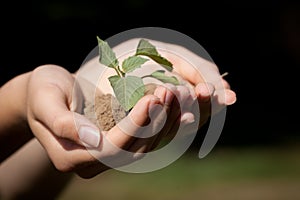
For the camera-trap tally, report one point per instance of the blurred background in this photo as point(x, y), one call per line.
point(257, 42)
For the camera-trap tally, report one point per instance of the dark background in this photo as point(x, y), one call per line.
point(257, 42)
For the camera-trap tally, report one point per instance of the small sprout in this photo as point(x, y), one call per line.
point(127, 88)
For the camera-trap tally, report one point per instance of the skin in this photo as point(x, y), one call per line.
point(61, 130)
point(29, 174)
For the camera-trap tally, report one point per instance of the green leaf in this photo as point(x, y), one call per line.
point(128, 90)
point(132, 62)
point(163, 62)
point(145, 48)
point(160, 75)
point(107, 56)
point(113, 80)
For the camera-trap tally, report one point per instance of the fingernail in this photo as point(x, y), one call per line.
point(211, 89)
point(183, 93)
point(230, 97)
point(89, 136)
point(205, 91)
point(193, 95)
point(187, 118)
point(155, 100)
point(169, 98)
point(160, 92)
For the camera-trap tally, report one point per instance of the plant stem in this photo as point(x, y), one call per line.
point(119, 72)
point(147, 76)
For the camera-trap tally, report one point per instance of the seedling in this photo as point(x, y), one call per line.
point(128, 88)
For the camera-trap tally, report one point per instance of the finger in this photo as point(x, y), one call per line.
point(171, 124)
point(204, 93)
point(183, 102)
point(226, 95)
point(171, 93)
point(184, 125)
point(182, 94)
point(184, 121)
point(187, 118)
point(230, 97)
point(126, 131)
point(173, 113)
point(143, 145)
point(186, 96)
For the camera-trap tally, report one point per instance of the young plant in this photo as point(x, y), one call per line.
point(127, 88)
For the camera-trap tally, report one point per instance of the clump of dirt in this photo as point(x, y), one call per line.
point(106, 111)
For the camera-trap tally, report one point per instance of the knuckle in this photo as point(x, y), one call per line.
point(63, 126)
point(58, 125)
point(45, 67)
point(160, 91)
point(42, 69)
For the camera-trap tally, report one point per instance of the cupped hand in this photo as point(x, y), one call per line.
point(54, 104)
point(213, 92)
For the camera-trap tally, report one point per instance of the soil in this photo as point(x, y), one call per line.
point(107, 112)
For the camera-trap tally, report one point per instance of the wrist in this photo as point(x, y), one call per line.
point(14, 129)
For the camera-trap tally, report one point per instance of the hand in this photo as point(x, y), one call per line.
point(204, 76)
point(54, 117)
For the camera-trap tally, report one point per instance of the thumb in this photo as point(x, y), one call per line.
point(88, 132)
point(74, 126)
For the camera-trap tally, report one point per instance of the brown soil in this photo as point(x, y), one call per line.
point(107, 111)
